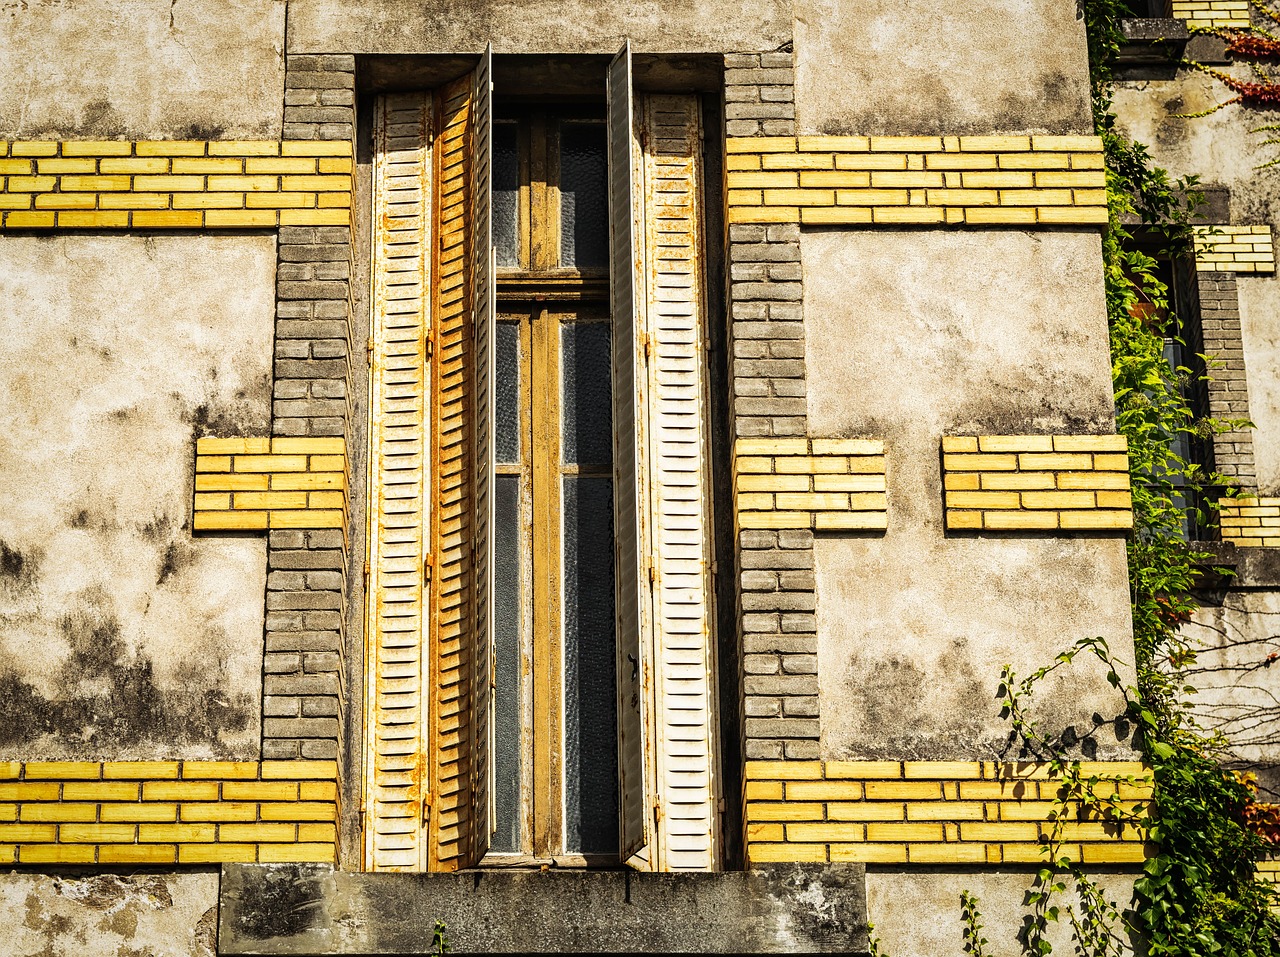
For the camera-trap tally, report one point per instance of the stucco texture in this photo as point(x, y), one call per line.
point(911, 335)
point(121, 635)
point(142, 69)
point(536, 26)
point(108, 915)
point(916, 67)
point(1220, 149)
point(918, 914)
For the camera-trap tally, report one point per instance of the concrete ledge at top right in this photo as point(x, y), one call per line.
point(1036, 483)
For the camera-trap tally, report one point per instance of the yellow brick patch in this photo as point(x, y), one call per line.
point(1250, 522)
point(120, 184)
point(131, 812)
point(1036, 482)
point(938, 812)
point(822, 484)
point(1211, 13)
point(256, 484)
point(1235, 249)
point(917, 180)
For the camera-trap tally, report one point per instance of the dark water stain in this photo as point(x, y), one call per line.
point(18, 567)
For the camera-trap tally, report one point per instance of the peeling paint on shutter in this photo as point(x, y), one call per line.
point(451, 633)
point(630, 542)
point(484, 309)
point(396, 725)
point(684, 757)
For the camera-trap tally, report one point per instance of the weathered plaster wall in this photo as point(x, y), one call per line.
point(121, 636)
point(537, 26)
point(109, 915)
point(161, 69)
point(1222, 151)
point(915, 67)
point(918, 914)
point(911, 335)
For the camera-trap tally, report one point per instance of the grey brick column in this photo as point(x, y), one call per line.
point(308, 571)
point(775, 568)
point(1227, 387)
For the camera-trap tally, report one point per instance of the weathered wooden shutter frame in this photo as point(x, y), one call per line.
point(632, 569)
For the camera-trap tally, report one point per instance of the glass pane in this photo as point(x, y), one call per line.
point(587, 437)
point(506, 194)
point(584, 216)
point(590, 719)
point(506, 677)
point(506, 389)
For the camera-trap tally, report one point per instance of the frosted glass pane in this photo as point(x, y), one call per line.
point(506, 676)
point(506, 389)
point(506, 194)
point(590, 721)
point(584, 215)
point(586, 406)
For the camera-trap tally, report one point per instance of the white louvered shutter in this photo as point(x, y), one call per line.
point(630, 541)
point(394, 786)
point(684, 753)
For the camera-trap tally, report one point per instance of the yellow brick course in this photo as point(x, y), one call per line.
point(823, 484)
point(956, 180)
point(1206, 14)
point(936, 812)
point(190, 812)
point(1248, 249)
point(1250, 522)
point(119, 184)
point(256, 484)
point(1036, 482)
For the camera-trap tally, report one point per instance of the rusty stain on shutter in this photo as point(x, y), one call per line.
point(394, 792)
point(684, 757)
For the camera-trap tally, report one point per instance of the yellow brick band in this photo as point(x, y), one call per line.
point(1235, 249)
point(917, 180)
point(822, 484)
point(936, 812)
point(167, 184)
point(167, 812)
point(257, 484)
point(1211, 13)
point(1250, 522)
point(1036, 482)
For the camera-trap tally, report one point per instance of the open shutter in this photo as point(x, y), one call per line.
point(632, 568)
point(395, 728)
point(484, 308)
point(680, 521)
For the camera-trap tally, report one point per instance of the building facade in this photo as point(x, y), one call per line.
point(572, 471)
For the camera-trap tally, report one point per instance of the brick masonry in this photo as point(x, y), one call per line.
point(1029, 482)
point(932, 812)
point(1227, 390)
point(308, 571)
point(1250, 522)
point(183, 184)
point(926, 180)
point(823, 484)
point(256, 484)
point(776, 599)
point(1211, 13)
point(1248, 249)
point(167, 812)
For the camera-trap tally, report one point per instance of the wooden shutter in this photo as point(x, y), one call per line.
point(631, 563)
point(395, 728)
point(684, 752)
point(484, 309)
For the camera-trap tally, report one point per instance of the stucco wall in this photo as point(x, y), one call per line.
point(917, 67)
point(1221, 150)
point(109, 915)
point(538, 26)
point(159, 69)
point(121, 635)
point(912, 335)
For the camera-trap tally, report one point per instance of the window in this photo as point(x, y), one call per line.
point(538, 652)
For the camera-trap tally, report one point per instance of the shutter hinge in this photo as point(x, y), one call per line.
point(657, 813)
point(428, 563)
point(653, 577)
point(366, 571)
point(368, 352)
point(426, 807)
point(431, 346)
